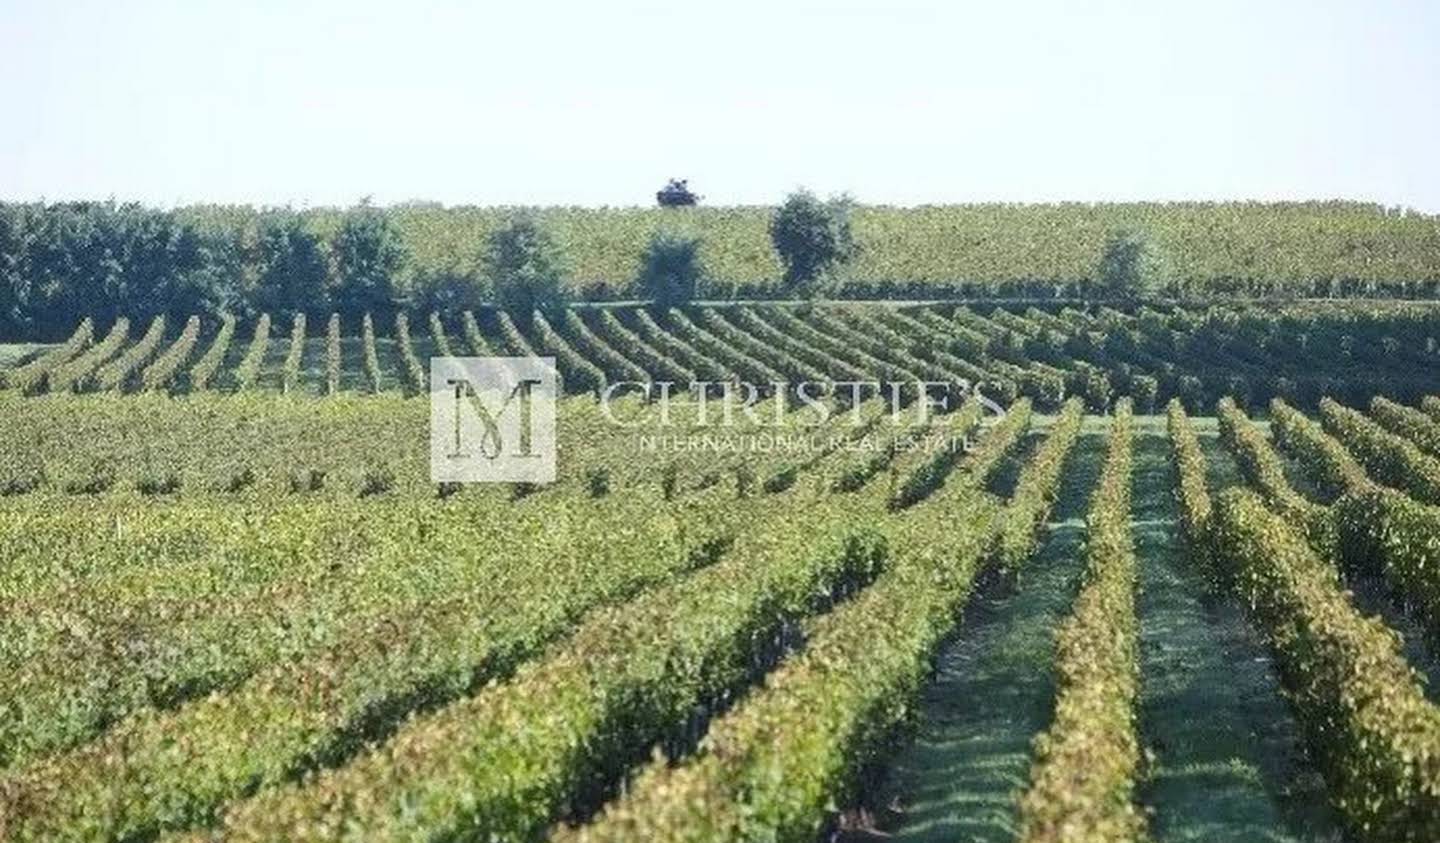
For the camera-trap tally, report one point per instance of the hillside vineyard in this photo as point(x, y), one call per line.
point(1179, 582)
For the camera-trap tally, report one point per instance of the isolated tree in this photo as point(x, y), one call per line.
point(292, 269)
point(1132, 267)
point(812, 238)
point(526, 268)
point(369, 256)
point(670, 270)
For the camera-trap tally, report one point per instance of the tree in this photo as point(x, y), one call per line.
point(291, 266)
point(446, 290)
point(1132, 267)
point(526, 268)
point(670, 270)
point(369, 256)
point(812, 238)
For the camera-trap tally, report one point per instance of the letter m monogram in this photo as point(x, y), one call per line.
point(492, 419)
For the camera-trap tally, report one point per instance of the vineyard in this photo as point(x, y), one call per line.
point(1185, 587)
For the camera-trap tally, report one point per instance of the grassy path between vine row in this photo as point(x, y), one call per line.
point(1226, 757)
point(993, 689)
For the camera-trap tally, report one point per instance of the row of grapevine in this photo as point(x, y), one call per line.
point(248, 372)
point(577, 372)
point(1082, 781)
point(29, 377)
point(626, 677)
point(935, 344)
point(1264, 470)
point(682, 351)
point(166, 768)
point(1407, 422)
point(438, 336)
point(479, 346)
point(776, 766)
point(514, 341)
point(161, 373)
point(371, 358)
point(205, 369)
point(1151, 355)
point(1188, 464)
point(616, 366)
point(1363, 708)
point(891, 365)
point(1035, 490)
point(1393, 460)
point(113, 375)
point(859, 361)
point(738, 327)
point(656, 363)
point(417, 380)
point(936, 467)
point(1327, 461)
point(290, 369)
point(818, 365)
point(333, 359)
point(738, 360)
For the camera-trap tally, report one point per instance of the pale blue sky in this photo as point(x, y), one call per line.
point(598, 102)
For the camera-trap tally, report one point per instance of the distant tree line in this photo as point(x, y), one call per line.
point(61, 262)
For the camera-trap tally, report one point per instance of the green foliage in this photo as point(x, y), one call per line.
point(164, 369)
point(290, 368)
point(670, 271)
point(205, 369)
point(292, 268)
point(248, 370)
point(29, 377)
point(333, 363)
point(1363, 708)
point(1082, 782)
point(1132, 267)
point(812, 238)
point(370, 262)
point(371, 357)
point(1266, 473)
point(416, 379)
point(1391, 459)
point(1018, 530)
point(525, 267)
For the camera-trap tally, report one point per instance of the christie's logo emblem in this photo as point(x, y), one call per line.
point(492, 419)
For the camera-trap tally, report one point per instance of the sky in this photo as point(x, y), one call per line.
point(598, 103)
